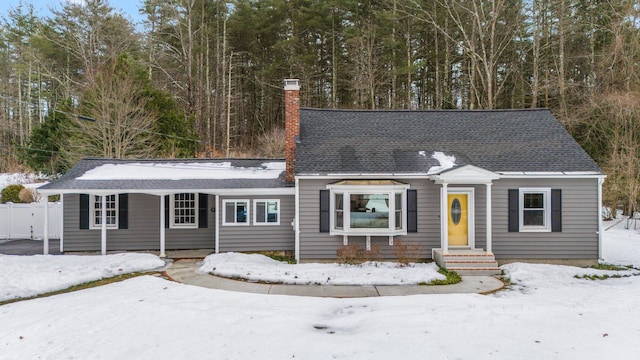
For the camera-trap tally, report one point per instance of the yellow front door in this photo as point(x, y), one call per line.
point(458, 219)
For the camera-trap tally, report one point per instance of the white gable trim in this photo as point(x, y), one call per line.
point(468, 174)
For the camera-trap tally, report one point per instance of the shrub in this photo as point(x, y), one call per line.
point(407, 252)
point(353, 254)
point(349, 254)
point(371, 255)
point(11, 193)
point(27, 195)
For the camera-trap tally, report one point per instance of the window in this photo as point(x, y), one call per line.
point(111, 211)
point(368, 210)
point(398, 220)
point(535, 209)
point(266, 212)
point(235, 212)
point(339, 212)
point(184, 210)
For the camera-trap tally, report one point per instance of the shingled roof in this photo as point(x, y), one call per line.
point(380, 141)
point(216, 174)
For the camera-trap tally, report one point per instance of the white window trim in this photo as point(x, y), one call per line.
point(255, 212)
point(92, 212)
point(347, 190)
point(547, 210)
point(224, 212)
point(172, 215)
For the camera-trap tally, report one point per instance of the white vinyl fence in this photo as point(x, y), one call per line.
point(26, 221)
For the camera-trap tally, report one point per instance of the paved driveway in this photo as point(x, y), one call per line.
point(28, 247)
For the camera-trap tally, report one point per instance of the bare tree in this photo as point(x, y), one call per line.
point(483, 31)
point(122, 125)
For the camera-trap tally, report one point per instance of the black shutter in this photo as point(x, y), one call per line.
point(514, 209)
point(123, 211)
point(84, 211)
point(324, 211)
point(556, 210)
point(202, 210)
point(412, 211)
point(167, 198)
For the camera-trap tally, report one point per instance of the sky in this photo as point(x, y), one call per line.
point(41, 7)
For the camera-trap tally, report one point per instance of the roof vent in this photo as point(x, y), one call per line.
point(291, 84)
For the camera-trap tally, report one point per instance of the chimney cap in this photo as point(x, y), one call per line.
point(291, 84)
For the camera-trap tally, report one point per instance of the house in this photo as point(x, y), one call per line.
point(469, 186)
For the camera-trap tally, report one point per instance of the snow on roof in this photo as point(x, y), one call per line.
point(182, 171)
point(446, 162)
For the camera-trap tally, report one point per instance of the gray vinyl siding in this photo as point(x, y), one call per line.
point(578, 239)
point(143, 232)
point(317, 245)
point(252, 237)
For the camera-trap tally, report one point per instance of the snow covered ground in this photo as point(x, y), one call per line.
point(547, 314)
point(26, 276)
point(7, 179)
point(255, 267)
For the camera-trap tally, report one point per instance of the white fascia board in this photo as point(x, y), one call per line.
point(161, 192)
point(364, 176)
point(563, 175)
point(255, 191)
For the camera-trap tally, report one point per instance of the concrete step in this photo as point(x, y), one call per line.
point(471, 264)
point(476, 271)
point(448, 258)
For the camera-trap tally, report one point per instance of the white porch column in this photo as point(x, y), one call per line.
point(61, 223)
point(489, 217)
point(296, 222)
point(103, 222)
point(46, 225)
point(444, 218)
point(162, 230)
point(600, 181)
point(217, 229)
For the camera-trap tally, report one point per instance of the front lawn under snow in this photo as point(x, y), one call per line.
point(26, 276)
point(255, 267)
point(546, 314)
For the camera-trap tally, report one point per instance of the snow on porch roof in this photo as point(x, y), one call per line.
point(182, 171)
point(169, 174)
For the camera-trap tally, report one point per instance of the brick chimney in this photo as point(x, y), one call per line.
point(291, 125)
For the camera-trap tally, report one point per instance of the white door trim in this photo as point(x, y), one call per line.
point(470, 192)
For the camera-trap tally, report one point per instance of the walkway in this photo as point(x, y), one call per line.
point(184, 271)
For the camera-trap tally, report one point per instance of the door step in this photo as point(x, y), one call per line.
point(468, 262)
